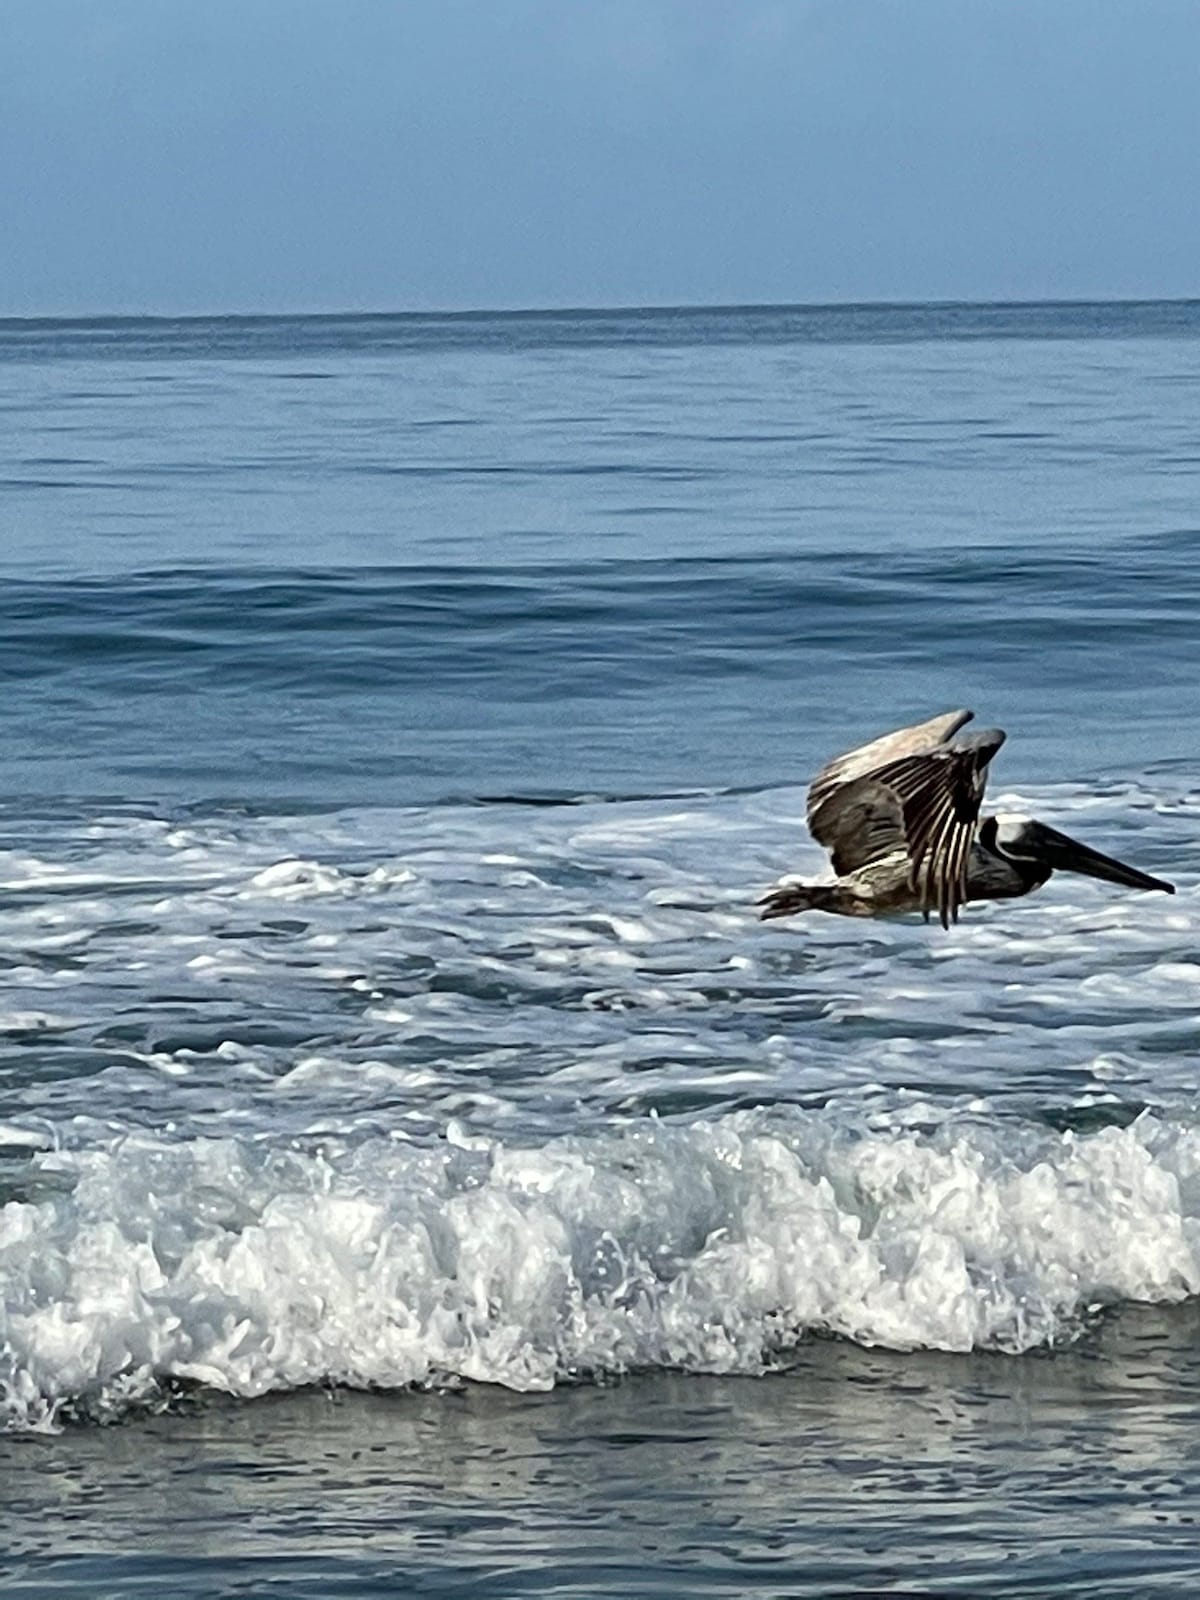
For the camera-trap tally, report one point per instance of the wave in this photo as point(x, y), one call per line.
point(590, 626)
point(716, 1246)
point(598, 677)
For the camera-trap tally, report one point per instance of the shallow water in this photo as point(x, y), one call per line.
point(857, 1471)
point(404, 715)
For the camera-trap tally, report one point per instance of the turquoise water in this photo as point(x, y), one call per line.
point(403, 1115)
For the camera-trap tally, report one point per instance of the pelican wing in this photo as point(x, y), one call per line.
point(860, 822)
point(867, 759)
point(858, 819)
point(939, 794)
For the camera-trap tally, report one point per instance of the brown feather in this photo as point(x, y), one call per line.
point(866, 759)
point(940, 794)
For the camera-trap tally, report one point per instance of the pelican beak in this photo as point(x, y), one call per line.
point(1065, 854)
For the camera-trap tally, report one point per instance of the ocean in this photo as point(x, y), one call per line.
point(421, 1172)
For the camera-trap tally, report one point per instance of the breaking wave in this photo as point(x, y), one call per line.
point(134, 1268)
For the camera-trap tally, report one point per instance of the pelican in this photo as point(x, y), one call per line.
point(900, 818)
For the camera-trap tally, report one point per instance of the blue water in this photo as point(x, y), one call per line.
point(402, 716)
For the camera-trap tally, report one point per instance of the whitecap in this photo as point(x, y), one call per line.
point(713, 1247)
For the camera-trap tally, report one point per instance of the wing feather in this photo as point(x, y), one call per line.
point(917, 791)
point(939, 795)
point(867, 759)
point(861, 822)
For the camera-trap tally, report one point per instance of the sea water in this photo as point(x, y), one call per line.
point(413, 1148)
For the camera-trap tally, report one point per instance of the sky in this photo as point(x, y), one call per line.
point(191, 156)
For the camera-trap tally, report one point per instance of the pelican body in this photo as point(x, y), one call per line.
point(901, 820)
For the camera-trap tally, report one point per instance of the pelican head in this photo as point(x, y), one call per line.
point(1032, 845)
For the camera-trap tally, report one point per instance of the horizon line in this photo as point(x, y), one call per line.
point(464, 313)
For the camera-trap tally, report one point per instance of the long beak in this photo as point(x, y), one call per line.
point(1065, 854)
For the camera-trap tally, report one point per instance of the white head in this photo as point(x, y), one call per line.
point(1012, 829)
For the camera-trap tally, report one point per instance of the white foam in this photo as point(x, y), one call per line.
point(13, 1137)
point(707, 1247)
point(296, 880)
point(33, 1021)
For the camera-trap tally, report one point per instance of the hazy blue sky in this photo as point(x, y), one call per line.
point(189, 155)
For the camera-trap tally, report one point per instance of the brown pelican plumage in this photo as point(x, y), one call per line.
point(900, 818)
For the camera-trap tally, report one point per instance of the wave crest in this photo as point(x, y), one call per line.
point(709, 1247)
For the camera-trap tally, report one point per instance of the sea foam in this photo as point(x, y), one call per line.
point(712, 1246)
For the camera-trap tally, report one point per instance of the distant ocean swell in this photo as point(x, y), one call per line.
point(369, 626)
point(423, 684)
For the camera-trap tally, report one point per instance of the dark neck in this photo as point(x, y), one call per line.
point(1033, 874)
point(1019, 876)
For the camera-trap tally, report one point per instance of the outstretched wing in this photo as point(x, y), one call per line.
point(917, 791)
point(861, 822)
point(857, 819)
point(939, 795)
point(868, 758)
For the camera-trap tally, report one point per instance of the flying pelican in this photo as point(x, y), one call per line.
point(900, 817)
